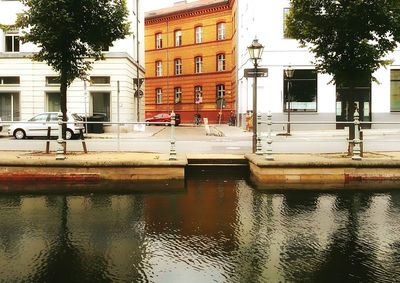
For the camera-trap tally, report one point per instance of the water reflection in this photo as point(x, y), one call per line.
point(219, 230)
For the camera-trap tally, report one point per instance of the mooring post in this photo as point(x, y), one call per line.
point(172, 151)
point(259, 145)
point(48, 140)
point(269, 156)
point(60, 148)
point(357, 140)
point(82, 137)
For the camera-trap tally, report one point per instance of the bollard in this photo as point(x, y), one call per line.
point(258, 138)
point(172, 151)
point(60, 149)
point(82, 138)
point(48, 140)
point(356, 141)
point(269, 156)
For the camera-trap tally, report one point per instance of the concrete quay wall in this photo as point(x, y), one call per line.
point(325, 172)
point(34, 172)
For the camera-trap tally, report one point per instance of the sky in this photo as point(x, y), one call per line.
point(149, 5)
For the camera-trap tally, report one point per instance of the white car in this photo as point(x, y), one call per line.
point(37, 126)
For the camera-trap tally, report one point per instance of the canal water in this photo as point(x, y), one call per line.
point(219, 229)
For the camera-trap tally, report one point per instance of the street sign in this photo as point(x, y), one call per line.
point(261, 72)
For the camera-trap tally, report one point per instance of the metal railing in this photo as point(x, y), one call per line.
point(357, 141)
point(61, 143)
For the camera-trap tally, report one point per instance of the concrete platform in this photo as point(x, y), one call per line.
point(36, 171)
point(325, 171)
point(32, 172)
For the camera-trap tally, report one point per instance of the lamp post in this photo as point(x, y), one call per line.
point(289, 72)
point(255, 51)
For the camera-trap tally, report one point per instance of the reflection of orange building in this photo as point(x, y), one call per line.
point(208, 208)
point(190, 59)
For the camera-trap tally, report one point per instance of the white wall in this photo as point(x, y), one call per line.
point(263, 19)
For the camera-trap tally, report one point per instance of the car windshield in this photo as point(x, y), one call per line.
point(76, 117)
point(39, 118)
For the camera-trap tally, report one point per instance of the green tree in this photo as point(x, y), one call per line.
point(349, 38)
point(71, 35)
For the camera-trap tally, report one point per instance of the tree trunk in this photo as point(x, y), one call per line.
point(63, 105)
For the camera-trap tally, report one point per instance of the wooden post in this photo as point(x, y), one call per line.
point(48, 140)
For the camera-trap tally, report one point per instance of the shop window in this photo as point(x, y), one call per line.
point(301, 91)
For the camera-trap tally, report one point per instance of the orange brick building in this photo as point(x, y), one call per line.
point(190, 57)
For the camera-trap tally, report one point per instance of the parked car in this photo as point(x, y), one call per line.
point(164, 118)
point(37, 126)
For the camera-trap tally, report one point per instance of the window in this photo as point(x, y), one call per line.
point(12, 42)
point(220, 96)
point(178, 95)
point(9, 106)
point(178, 67)
point(301, 91)
point(100, 80)
point(158, 40)
point(395, 90)
point(53, 101)
point(178, 38)
point(198, 94)
point(221, 62)
point(198, 64)
point(285, 14)
point(9, 80)
point(52, 80)
point(158, 96)
point(158, 68)
point(199, 35)
point(221, 31)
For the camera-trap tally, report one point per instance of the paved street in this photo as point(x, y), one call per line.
point(224, 139)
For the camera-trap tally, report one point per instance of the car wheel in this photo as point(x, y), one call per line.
point(69, 134)
point(19, 134)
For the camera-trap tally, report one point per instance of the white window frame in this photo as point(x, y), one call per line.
point(14, 36)
point(178, 38)
point(159, 40)
point(178, 95)
point(198, 63)
point(221, 31)
point(178, 66)
point(158, 68)
point(198, 34)
point(158, 95)
point(220, 62)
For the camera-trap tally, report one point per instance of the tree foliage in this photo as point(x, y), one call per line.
point(71, 34)
point(349, 38)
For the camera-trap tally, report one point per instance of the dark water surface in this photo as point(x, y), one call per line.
point(218, 230)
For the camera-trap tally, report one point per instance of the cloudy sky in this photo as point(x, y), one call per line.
point(149, 5)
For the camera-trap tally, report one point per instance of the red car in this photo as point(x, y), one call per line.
point(164, 118)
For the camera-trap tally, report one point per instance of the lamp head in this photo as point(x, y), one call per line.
point(289, 72)
point(255, 50)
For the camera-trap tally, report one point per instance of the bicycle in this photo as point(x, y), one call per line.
point(197, 119)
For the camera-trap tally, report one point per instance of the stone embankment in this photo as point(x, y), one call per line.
point(30, 172)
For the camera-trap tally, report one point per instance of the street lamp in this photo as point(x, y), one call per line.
point(255, 51)
point(289, 72)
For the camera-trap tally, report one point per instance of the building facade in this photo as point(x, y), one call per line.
point(28, 88)
point(312, 95)
point(191, 60)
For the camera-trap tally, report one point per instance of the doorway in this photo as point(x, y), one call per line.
point(100, 105)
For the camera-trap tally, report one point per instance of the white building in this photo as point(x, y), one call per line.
point(313, 97)
point(28, 88)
